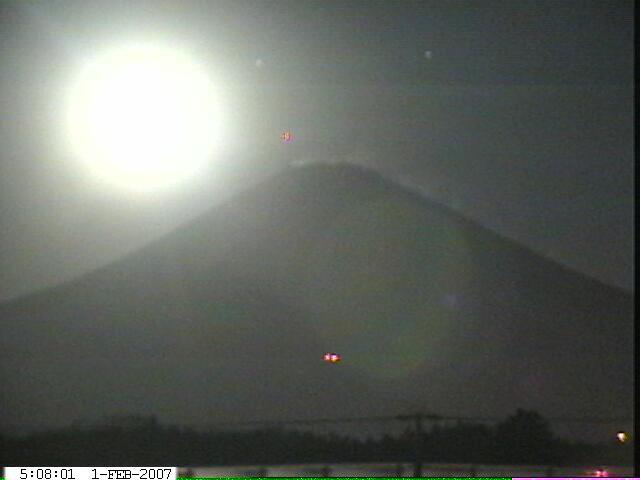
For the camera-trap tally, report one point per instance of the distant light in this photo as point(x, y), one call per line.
point(450, 300)
point(622, 436)
point(601, 473)
point(427, 55)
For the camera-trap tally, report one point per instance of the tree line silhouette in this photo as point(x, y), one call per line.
point(522, 438)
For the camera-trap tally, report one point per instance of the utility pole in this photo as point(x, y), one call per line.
point(418, 438)
point(417, 469)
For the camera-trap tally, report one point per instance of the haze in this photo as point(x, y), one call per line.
point(517, 115)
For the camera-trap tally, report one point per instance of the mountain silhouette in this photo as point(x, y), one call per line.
point(228, 317)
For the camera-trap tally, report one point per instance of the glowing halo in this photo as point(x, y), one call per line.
point(143, 117)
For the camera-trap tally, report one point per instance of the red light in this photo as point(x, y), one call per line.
point(286, 137)
point(331, 357)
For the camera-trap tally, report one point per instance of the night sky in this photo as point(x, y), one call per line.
point(517, 114)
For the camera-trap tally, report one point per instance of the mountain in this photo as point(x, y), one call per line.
point(228, 317)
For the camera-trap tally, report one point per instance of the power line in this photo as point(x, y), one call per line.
point(310, 421)
point(412, 417)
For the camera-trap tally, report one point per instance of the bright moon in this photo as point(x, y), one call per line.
point(143, 117)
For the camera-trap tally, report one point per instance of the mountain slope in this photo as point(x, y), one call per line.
point(228, 317)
